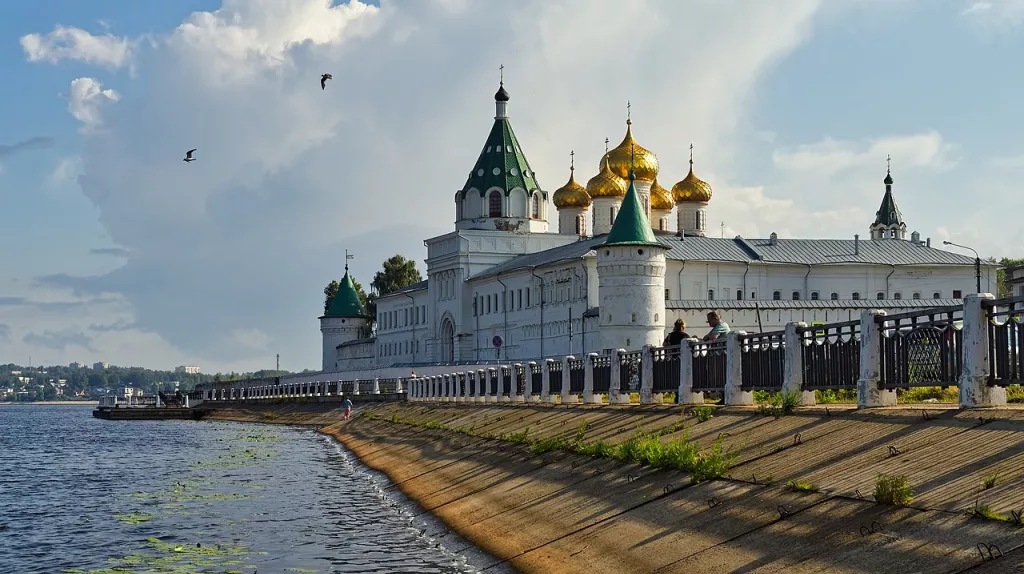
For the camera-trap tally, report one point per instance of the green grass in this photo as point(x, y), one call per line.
point(985, 512)
point(1015, 394)
point(776, 404)
point(927, 394)
point(797, 485)
point(840, 396)
point(894, 490)
point(703, 413)
point(990, 480)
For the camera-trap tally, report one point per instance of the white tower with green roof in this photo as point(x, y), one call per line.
point(631, 279)
point(501, 192)
point(345, 321)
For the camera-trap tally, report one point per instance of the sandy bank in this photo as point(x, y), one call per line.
point(561, 512)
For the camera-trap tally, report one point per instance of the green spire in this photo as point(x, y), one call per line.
point(631, 225)
point(501, 152)
point(346, 303)
point(888, 213)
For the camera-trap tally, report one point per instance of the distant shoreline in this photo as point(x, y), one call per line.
point(48, 403)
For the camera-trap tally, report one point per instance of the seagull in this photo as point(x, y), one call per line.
point(323, 80)
point(188, 155)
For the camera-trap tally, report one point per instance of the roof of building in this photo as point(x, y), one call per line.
point(346, 303)
point(740, 250)
point(888, 213)
point(501, 162)
point(631, 227)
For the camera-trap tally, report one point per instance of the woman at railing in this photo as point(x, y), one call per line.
point(677, 335)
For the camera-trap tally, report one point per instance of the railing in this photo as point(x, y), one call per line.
point(831, 355)
point(494, 383)
point(520, 379)
point(506, 381)
point(602, 374)
point(577, 374)
point(763, 356)
point(536, 379)
point(1005, 341)
point(555, 377)
point(388, 386)
point(630, 372)
point(709, 365)
point(665, 366)
point(920, 349)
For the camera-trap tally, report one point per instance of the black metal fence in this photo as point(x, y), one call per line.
point(921, 348)
point(602, 374)
point(763, 359)
point(630, 372)
point(830, 355)
point(536, 379)
point(665, 366)
point(388, 386)
point(709, 365)
point(1005, 341)
point(520, 372)
point(577, 372)
point(506, 381)
point(555, 377)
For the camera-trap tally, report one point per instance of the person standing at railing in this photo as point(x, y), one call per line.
point(677, 335)
point(718, 327)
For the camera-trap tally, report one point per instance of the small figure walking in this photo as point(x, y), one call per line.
point(348, 407)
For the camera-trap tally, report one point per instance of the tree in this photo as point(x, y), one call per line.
point(332, 289)
point(398, 272)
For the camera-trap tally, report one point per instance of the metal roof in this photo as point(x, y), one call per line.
point(547, 257)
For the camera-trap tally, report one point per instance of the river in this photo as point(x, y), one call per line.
point(82, 495)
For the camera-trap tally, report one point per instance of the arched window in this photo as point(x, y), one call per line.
point(711, 294)
point(777, 295)
point(696, 220)
point(835, 296)
point(579, 226)
point(536, 206)
point(814, 295)
point(611, 216)
point(936, 295)
point(796, 295)
point(494, 204)
point(880, 296)
point(856, 296)
point(917, 295)
point(897, 295)
point(739, 294)
point(661, 224)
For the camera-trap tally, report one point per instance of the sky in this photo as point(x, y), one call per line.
point(115, 250)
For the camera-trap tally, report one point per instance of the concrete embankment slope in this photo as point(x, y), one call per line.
point(561, 512)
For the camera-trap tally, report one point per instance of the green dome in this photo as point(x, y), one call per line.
point(346, 302)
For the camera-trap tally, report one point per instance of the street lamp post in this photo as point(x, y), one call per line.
point(977, 263)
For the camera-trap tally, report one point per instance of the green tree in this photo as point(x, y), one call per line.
point(332, 289)
point(397, 272)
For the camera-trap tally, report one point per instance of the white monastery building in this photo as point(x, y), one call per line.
point(621, 268)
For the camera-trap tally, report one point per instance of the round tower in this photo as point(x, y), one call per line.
point(631, 279)
point(573, 204)
point(692, 196)
point(345, 321)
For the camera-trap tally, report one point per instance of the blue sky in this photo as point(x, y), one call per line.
point(146, 260)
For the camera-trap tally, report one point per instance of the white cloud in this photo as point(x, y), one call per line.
point(995, 13)
point(230, 253)
point(1010, 162)
point(830, 157)
point(68, 43)
point(66, 171)
point(87, 98)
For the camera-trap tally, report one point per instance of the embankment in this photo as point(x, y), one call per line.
point(564, 512)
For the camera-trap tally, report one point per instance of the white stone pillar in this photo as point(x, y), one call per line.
point(614, 385)
point(647, 375)
point(974, 388)
point(734, 393)
point(520, 397)
point(868, 393)
point(493, 382)
point(588, 380)
point(686, 394)
point(545, 384)
point(793, 365)
point(567, 398)
point(482, 382)
point(528, 386)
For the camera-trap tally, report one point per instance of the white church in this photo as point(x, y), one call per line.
point(621, 269)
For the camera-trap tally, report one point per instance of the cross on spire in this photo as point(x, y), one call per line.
point(501, 74)
point(605, 145)
point(572, 160)
point(691, 156)
point(888, 159)
point(629, 119)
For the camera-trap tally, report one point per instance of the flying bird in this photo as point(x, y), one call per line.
point(188, 155)
point(323, 80)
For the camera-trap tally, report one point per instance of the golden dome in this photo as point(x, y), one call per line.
point(661, 198)
point(692, 189)
point(571, 194)
point(631, 154)
point(606, 183)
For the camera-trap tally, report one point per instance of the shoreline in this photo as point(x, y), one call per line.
point(563, 512)
point(51, 403)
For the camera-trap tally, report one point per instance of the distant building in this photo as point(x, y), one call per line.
point(101, 366)
point(1015, 280)
point(187, 369)
point(76, 365)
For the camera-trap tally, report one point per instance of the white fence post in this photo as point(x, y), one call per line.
point(868, 393)
point(588, 379)
point(974, 388)
point(567, 381)
point(615, 396)
point(686, 394)
point(520, 396)
point(646, 375)
point(734, 393)
point(793, 366)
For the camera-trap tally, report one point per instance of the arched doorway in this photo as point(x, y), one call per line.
point(447, 340)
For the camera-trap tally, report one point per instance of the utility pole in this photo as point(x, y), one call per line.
point(977, 263)
point(279, 361)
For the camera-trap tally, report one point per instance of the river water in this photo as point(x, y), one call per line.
point(83, 495)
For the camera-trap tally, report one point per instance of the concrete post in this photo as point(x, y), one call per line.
point(734, 393)
point(520, 397)
point(398, 385)
point(974, 388)
point(492, 382)
point(868, 393)
point(482, 385)
point(545, 382)
point(685, 393)
point(614, 395)
point(528, 383)
point(793, 366)
point(588, 379)
point(566, 380)
point(647, 375)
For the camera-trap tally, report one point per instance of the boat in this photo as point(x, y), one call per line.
point(133, 404)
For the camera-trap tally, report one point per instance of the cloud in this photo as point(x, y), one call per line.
point(995, 13)
point(1007, 162)
point(4, 301)
point(60, 340)
point(230, 253)
point(37, 142)
point(5, 332)
point(112, 251)
point(86, 100)
point(830, 157)
point(66, 171)
point(68, 43)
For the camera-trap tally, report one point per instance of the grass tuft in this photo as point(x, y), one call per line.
point(990, 480)
point(894, 490)
point(801, 486)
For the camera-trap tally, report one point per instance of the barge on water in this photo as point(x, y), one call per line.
point(136, 407)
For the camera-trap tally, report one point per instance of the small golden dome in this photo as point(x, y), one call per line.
point(661, 198)
point(692, 189)
point(571, 194)
point(606, 183)
point(631, 154)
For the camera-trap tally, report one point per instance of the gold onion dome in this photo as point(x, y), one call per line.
point(661, 198)
point(571, 194)
point(692, 189)
point(630, 154)
point(606, 183)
